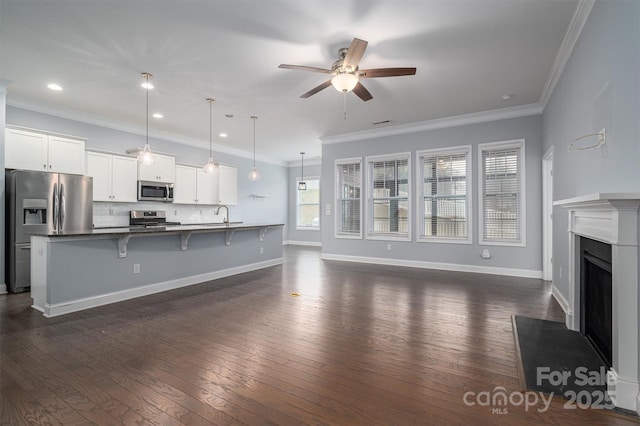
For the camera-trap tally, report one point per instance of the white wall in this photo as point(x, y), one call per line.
point(525, 261)
point(274, 177)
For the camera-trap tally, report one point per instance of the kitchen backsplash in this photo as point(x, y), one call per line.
point(117, 214)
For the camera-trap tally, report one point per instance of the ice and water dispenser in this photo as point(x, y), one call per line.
point(34, 211)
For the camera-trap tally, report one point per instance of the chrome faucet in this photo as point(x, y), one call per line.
point(226, 219)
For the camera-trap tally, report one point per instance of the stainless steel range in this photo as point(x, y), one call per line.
point(149, 219)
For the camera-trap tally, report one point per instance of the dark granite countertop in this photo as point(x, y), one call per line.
point(171, 229)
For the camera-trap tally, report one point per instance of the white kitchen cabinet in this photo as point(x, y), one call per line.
point(194, 186)
point(163, 170)
point(184, 188)
point(227, 193)
point(29, 150)
point(205, 187)
point(114, 177)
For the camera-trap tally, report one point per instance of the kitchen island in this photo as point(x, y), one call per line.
point(84, 269)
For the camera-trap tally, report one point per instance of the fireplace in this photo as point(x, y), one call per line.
point(603, 263)
point(595, 296)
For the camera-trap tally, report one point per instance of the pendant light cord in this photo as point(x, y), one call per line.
point(210, 124)
point(302, 155)
point(147, 89)
point(254, 140)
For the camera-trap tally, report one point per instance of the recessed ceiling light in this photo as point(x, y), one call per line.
point(157, 115)
point(223, 135)
point(506, 97)
point(147, 85)
point(54, 86)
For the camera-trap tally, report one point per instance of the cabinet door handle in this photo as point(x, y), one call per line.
point(44, 166)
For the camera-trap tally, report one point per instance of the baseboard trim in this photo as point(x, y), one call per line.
point(562, 301)
point(53, 310)
point(302, 243)
point(522, 273)
point(3, 288)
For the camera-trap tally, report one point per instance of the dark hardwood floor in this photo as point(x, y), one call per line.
point(362, 344)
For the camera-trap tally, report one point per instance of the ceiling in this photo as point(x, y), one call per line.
point(468, 54)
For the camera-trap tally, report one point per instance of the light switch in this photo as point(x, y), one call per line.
point(327, 209)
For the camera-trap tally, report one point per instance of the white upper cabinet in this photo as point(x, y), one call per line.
point(227, 185)
point(66, 155)
point(205, 187)
point(114, 177)
point(184, 189)
point(28, 150)
point(163, 170)
point(194, 186)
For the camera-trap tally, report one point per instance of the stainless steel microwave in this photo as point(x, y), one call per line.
point(155, 191)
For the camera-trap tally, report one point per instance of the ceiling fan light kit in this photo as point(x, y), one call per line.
point(344, 82)
point(346, 75)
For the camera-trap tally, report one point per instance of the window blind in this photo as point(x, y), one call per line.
point(348, 181)
point(444, 185)
point(389, 207)
point(502, 192)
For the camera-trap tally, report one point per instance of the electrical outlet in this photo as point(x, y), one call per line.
point(561, 272)
point(261, 250)
point(136, 268)
point(388, 247)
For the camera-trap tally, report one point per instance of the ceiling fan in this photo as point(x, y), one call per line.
point(347, 75)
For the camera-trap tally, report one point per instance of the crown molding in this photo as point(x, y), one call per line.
point(74, 115)
point(564, 52)
point(439, 123)
point(309, 162)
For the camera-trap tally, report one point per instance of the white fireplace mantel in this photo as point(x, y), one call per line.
point(613, 219)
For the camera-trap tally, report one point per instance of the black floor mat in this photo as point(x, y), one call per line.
point(560, 361)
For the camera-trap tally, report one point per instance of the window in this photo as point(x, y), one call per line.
point(502, 213)
point(388, 197)
point(444, 200)
point(308, 204)
point(348, 188)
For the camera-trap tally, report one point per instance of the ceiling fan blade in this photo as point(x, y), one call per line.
point(362, 92)
point(354, 54)
point(386, 72)
point(304, 68)
point(316, 89)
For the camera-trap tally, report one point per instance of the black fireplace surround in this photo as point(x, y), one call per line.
point(596, 296)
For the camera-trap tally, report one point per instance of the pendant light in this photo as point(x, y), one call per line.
point(302, 185)
point(210, 167)
point(254, 175)
point(146, 156)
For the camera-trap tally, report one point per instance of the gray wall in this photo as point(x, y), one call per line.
point(525, 258)
point(274, 177)
point(294, 235)
point(599, 87)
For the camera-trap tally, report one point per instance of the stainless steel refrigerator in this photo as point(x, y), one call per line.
point(40, 202)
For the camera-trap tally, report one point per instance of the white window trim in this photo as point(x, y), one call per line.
point(514, 143)
point(336, 233)
point(462, 149)
point(369, 195)
point(307, 228)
